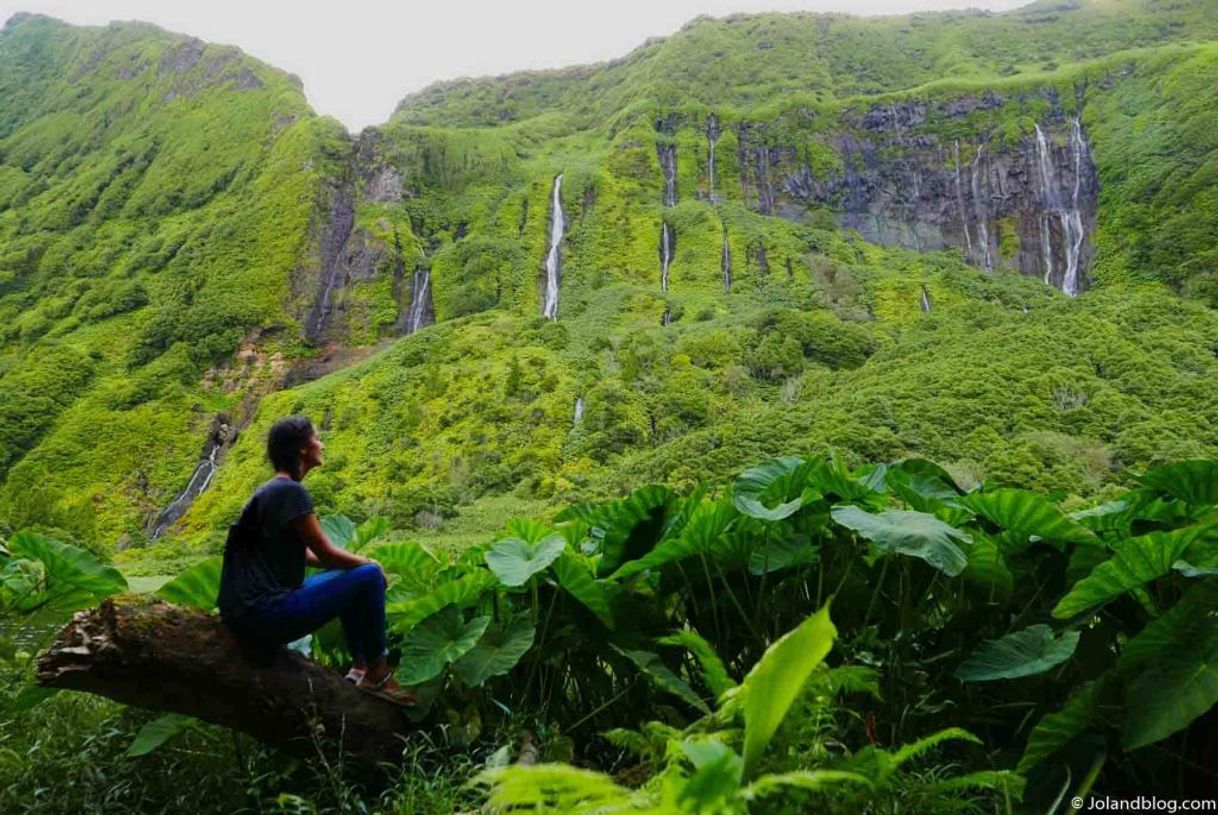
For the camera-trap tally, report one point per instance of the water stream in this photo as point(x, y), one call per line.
point(554, 257)
point(1069, 217)
point(420, 298)
point(665, 256)
point(726, 264)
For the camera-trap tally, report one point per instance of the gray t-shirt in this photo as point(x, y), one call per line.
point(265, 555)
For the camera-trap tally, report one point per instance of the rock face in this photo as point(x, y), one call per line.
point(1026, 205)
point(350, 254)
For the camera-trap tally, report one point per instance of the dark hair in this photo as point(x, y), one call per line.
point(284, 441)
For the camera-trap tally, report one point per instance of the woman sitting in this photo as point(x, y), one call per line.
point(265, 599)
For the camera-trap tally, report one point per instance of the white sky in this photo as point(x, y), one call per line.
point(359, 57)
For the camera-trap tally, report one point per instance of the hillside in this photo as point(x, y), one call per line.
point(986, 239)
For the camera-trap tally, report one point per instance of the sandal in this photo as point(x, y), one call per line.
point(389, 690)
point(354, 675)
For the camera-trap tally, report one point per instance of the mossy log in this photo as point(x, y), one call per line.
point(155, 655)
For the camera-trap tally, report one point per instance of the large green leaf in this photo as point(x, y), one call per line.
point(714, 672)
point(157, 732)
point(1027, 513)
point(986, 565)
point(496, 653)
point(574, 574)
point(72, 577)
point(773, 490)
point(774, 682)
point(1114, 516)
point(1031, 651)
point(1137, 561)
point(651, 665)
point(368, 532)
point(908, 533)
point(1194, 482)
point(1056, 730)
point(1177, 687)
point(464, 591)
point(702, 529)
point(440, 639)
point(1173, 663)
point(515, 560)
point(626, 528)
point(409, 565)
point(339, 529)
point(197, 587)
point(782, 552)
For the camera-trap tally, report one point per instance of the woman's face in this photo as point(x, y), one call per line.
point(310, 454)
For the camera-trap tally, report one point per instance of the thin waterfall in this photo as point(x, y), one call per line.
point(726, 265)
point(554, 258)
point(579, 410)
point(1073, 222)
point(665, 256)
point(968, 239)
point(924, 302)
point(199, 481)
point(667, 154)
point(420, 291)
point(1069, 217)
point(980, 210)
point(712, 138)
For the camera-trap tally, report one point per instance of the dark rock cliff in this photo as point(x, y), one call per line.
point(1025, 204)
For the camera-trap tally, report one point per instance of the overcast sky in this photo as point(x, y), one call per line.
point(359, 57)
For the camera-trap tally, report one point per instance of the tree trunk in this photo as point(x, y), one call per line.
point(163, 657)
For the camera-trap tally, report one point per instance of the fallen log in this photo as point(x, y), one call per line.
point(151, 654)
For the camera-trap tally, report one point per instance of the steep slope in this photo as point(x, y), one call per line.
point(762, 235)
point(156, 199)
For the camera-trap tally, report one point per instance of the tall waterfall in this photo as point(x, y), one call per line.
point(667, 154)
point(712, 138)
point(420, 291)
point(726, 264)
point(553, 258)
point(199, 481)
point(979, 208)
point(665, 255)
point(968, 239)
point(924, 301)
point(579, 410)
point(1069, 216)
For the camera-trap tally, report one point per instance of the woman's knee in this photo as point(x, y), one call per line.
point(368, 574)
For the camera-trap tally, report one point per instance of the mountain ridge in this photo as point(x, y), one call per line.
point(713, 306)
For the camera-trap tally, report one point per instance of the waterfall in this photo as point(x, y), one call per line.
point(1069, 217)
point(968, 240)
point(667, 154)
point(200, 479)
point(419, 294)
point(579, 410)
point(666, 319)
point(712, 138)
point(1073, 222)
point(553, 258)
point(334, 239)
point(925, 301)
point(726, 264)
point(665, 256)
point(981, 212)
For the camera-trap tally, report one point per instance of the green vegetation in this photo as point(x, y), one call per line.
point(1032, 616)
point(665, 638)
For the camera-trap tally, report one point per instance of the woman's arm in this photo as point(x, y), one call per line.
point(323, 552)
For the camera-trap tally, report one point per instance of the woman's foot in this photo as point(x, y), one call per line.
point(355, 674)
point(386, 687)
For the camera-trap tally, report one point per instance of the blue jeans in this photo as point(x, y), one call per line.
point(357, 596)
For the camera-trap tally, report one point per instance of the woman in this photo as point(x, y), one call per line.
point(264, 597)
